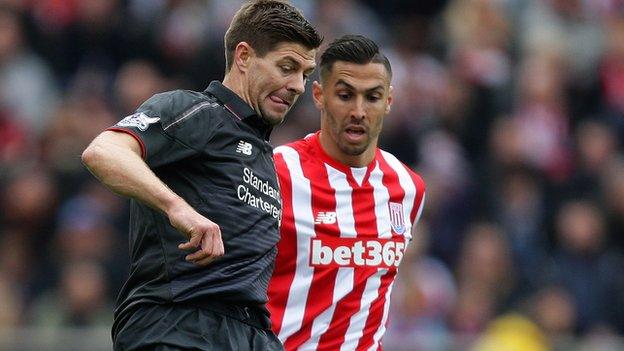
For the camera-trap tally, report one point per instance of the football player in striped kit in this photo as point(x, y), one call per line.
point(349, 209)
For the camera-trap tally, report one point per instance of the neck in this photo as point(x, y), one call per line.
point(234, 82)
point(332, 149)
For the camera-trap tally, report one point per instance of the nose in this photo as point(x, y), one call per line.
point(358, 111)
point(296, 85)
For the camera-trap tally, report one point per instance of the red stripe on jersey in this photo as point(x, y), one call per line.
point(284, 272)
point(375, 313)
point(390, 180)
point(365, 222)
point(323, 199)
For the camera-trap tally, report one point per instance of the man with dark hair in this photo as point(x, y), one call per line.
point(349, 210)
point(205, 202)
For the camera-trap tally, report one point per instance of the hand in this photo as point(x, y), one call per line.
point(204, 235)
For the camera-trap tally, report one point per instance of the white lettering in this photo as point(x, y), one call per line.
point(400, 246)
point(374, 253)
point(388, 253)
point(246, 196)
point(358, 251)
point(341, 252)
point(259, 184)
point(342, 255)
point(321, 255)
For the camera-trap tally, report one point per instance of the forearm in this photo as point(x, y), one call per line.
point(122, 170)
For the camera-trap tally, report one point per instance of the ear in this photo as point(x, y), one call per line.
point(242, 55)
point(317, 95)
point(389, 100)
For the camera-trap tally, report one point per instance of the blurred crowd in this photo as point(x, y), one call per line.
point(512, 110)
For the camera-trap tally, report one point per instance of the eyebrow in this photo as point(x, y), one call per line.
point(349, 86)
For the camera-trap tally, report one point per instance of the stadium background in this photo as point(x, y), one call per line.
point(512, 110)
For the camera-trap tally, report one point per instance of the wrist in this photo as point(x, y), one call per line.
point(172, 204)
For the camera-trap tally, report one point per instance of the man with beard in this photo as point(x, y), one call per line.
point(205, 202)
point(349, 209)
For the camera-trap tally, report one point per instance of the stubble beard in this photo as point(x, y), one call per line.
point(344, 146)
point(271, 119)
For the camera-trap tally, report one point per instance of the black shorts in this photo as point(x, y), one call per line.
point(175, 327)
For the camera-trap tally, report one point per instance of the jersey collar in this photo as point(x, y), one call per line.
point(238, 107)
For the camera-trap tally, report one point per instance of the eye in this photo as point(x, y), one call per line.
point(344, 96)
point(287, 68)
point(373, 98)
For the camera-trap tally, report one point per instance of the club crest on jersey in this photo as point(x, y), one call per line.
point(397, 219)
point(139, 120)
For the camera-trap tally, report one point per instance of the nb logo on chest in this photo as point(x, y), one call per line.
point(244, 148)
point(325, 218)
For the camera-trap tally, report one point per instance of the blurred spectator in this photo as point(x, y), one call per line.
point(27, 88)
point(612, 193)
point(348, 16)
point(597, 146)
point(136, 81)
point(512, 332)
point(11, 302)
point(80, 300)
point(478, 41)
point(485, 278)
point(449, 192)
point(571, 30)
point(553, 309)
point(542, 117)
point(485, 265)
point(518, 205)
point(511, 110)
point(611, 72)
point(586, 267)
point(423, 297)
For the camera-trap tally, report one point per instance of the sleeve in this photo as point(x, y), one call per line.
point(419, 199)
point(158, 127)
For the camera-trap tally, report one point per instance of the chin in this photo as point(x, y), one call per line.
point(273, 120)
point(352, 150)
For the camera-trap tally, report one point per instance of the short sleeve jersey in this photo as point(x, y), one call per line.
point(343, 235)
point(210, 148)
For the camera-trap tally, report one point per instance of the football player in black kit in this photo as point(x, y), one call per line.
point(205, 203)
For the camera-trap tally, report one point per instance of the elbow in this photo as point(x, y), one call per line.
point(91, 155)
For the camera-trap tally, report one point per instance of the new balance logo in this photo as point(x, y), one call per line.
point(325, 218)
point(244, 148)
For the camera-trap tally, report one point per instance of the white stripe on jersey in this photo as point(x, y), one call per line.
point(302, 210)
point(344, 277)
point(408, 186)
point(382, 328)
point(358, 321)
point(381, 194)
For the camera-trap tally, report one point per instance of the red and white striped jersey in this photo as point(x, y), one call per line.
point(343, 233)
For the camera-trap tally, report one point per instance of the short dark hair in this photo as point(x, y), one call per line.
point(355, 49)
point(264, 24)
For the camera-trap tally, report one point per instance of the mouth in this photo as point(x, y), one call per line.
point(278, 100)
point(355, 133)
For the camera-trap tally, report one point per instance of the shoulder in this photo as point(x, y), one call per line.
point(297, 149)
point(293, 157)
point(173, 107)
point(401, 168)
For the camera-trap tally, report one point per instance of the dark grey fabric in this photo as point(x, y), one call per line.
point(211, 149)
point(175, 327)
